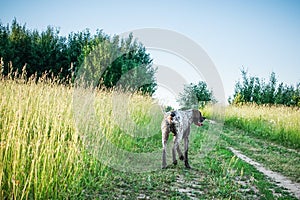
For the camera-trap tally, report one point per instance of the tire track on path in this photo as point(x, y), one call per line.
point(278, 178)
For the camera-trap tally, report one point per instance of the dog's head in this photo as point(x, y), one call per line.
point(198, 118)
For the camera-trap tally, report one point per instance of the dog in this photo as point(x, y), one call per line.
point(179, 122)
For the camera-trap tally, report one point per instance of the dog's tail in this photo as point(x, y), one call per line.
point(171, 116)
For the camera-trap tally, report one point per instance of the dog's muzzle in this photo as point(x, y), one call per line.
point(199, 124)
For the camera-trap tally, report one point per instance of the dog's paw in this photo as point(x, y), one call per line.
point(187, 165)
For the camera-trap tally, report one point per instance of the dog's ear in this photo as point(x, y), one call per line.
point(172, 114)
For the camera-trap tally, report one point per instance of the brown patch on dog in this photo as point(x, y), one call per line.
point(170, 119)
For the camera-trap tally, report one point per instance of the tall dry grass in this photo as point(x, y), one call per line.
point(40, 149)
point(280, 124)
point(43, 154)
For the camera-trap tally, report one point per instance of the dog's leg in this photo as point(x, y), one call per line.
point(165, 137)
point(186, 159)
point(181, 157)
point(186, 148)
point(175, 146)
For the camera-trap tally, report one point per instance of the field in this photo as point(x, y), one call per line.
point(275, 123)
point(60, 143)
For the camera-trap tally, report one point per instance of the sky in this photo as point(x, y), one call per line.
point(263, 36)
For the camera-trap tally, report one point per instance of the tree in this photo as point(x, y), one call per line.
point(76, 43)
point(104, 60)
point(279, 97)
point(49, 53)
point(5, 51)
point(257, 93)
point(124, 64)
point(269, 90)
point(244, 91)
point(195, 95)
point(168, 108)
point(40, 52)
point(19, 46)
point(253, 89)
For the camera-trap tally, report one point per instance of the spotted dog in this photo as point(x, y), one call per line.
point(179, 122)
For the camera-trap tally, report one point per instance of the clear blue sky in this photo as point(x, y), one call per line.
point(263, 36)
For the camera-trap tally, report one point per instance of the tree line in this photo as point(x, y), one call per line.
point(252, 89)
point(109, 57)
point(111, 61)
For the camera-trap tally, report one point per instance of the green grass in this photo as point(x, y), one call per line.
point(40, 152)
point(45, 154)
point(278, 124)
point(276, 157)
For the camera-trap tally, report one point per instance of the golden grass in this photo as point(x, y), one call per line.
point(39, 146)
point(277, 123)
point(42, 150)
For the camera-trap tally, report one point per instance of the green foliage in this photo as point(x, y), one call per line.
point(108, 61)
point(195, 95)
point(255, 90)
point(168, 108)
point(121, 63)
point(39, 52)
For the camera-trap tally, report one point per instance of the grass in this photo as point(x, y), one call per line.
point(278, 124)
point(276, 157)
point(40, 151)
point(52, 146)
point(219, 176)
point(44, 152)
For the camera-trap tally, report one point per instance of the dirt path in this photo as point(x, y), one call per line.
point(278, 178)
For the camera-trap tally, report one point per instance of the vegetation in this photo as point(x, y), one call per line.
point(275, 123)
point(56, 139)
point(279, 124)
point(44, 155)
point(275, 156)
point(195, 95)
point(255, 90)
point(266, 110)
point(108, 58)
